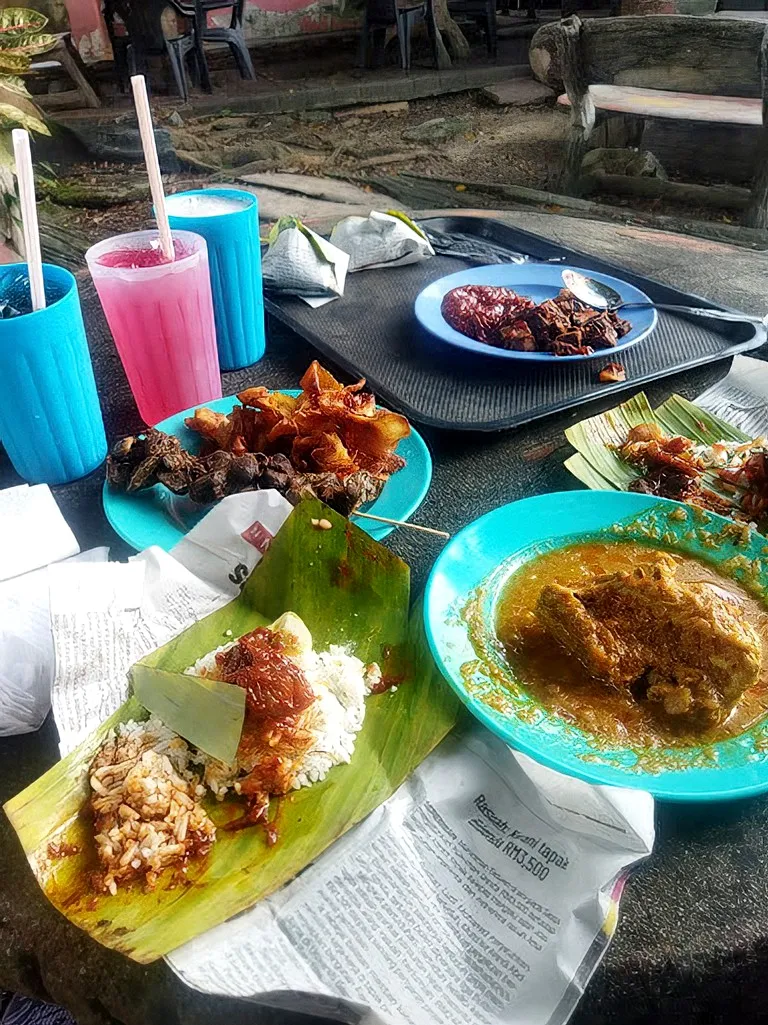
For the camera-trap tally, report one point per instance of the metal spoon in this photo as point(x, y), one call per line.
point(603, 297)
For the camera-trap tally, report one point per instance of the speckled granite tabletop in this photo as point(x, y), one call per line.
point(692, 942)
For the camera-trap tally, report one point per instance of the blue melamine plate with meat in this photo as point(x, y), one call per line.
point(537, 282)
point(466, 592)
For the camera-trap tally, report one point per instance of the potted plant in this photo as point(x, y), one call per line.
point(21, 38)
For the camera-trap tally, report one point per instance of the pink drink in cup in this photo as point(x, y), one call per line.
point(160, 314)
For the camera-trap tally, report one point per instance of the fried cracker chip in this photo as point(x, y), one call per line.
point(317, 379)
point(215, 427)
point(323, 452)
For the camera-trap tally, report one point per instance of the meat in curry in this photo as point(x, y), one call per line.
point(635, 643)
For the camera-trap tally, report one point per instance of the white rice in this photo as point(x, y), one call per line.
point(146, 790)
point(340, 682)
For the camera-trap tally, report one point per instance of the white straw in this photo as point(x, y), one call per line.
point(26, 179)
point(144, 114)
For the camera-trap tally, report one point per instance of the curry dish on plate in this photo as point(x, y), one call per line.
point(636, 644)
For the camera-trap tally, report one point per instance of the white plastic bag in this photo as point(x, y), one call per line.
point(381, 240)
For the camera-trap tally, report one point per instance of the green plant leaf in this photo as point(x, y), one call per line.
point(207, 713)
point(281, 224)
point(13, 84)
point(318, 244)
point(12, 116)
point(407, 220)
point(584, 471)
point(348, 590)
point(11, 62)
point(27, 44)
point(20, 21)
point(21, 101)
point(679, 416)
point(594, 438)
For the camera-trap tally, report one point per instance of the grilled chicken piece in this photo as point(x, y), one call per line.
point(682, 646)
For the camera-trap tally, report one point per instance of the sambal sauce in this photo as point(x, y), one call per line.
point(275, 686)
point(273, 739)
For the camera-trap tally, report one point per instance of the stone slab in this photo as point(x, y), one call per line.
point(308, 185)
point(517, 92)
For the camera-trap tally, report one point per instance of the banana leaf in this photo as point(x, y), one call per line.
point(349, 590)
point(594, 440)
point(598, 465)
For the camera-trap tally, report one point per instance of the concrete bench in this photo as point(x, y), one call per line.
point(659, 66)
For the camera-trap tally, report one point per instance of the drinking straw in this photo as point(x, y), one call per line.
point(144, 114)
point(26, 179)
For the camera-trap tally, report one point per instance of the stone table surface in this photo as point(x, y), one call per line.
point(692, 941)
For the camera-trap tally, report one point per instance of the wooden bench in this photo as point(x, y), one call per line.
point(659, 66)
point(64, 54)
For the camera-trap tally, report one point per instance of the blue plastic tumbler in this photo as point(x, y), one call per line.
point(50, 420)
point(228, 220)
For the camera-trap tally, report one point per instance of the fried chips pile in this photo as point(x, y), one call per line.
point(331, 442)
point(328, 428)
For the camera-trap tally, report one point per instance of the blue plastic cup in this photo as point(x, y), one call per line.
point(50, 420)
point(228, 220)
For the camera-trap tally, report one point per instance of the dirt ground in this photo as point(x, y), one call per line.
point(504, 145)
point(500, 145)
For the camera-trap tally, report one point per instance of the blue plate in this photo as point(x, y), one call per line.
point(538, 281)
point(158, 517)
point(473, 567)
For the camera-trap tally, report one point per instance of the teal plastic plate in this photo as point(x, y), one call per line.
point(472, 569)
point(157, 517)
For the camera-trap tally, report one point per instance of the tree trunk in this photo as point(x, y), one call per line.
point(418, 192)
point(700, 7)
point(720, 197)
point(94, 197)
point(757, 211)
point(448, 27)
point(582, 107)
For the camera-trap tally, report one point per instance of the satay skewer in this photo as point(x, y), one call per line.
point(403, 523)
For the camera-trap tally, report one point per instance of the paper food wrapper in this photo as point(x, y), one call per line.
point(487, 882)
point(301, 262)
point(381, 240)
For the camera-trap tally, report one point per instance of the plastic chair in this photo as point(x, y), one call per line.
point(232, 35)
point(142, 22)
point(379, 15)
point(484, 13)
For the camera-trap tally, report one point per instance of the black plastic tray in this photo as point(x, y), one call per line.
point(372, 332)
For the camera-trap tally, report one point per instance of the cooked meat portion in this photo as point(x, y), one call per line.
point(563, 326)
point(683, 646)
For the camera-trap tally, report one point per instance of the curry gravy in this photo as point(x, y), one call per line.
point(562, 685)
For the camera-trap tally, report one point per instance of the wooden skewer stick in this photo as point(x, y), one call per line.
point(402, 523)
